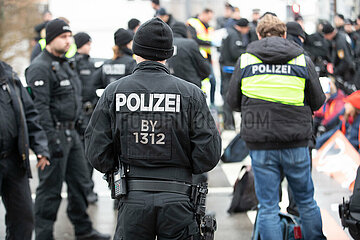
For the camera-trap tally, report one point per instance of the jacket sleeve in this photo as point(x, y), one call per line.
point(201, 64)
point(37, 136)
point(193, 34)
point(234, 93)
point(346, 62)
point(204, 137)
point(99, 148)
point(38, 78)
point(314, 95)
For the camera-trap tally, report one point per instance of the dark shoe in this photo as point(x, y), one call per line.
point(92, 198)
point(93, 235)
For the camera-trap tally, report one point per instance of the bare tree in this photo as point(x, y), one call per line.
point(17, 20)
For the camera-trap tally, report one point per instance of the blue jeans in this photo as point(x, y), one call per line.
point(295, 164)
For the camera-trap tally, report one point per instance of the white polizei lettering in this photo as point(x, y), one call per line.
point(153, 124)
point(255, 68)
point(64, 83)
point(120, 99)
point(137, 102)
point(289, 69)
point(278, 69)
point(145, 125)
point(268, 68)
point(170, 103)
point(262, 68)
point(160, 97)
point(142, 106)
point(157, 102)
point(177, 103)
point(284, 69)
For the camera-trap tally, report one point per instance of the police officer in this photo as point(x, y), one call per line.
point(85, 68)
point(238, 37)
point(133, 25)
point(20, 130)
point(201, 32)
point(122, 63)
point(187, 62)
point(161, 129)
point(342, 58)
point(57, 95)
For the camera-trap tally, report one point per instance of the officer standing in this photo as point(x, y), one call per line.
point(20, 130)
point(57, 95)
point(342, 58)
point(201, 32)
point(160, 128)
point(276, 88)
point(85, 68)
point(122, 63)
point(238, 37)
point(187, 62)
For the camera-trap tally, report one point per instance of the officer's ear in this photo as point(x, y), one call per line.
point(258, 35)
point(284, 37)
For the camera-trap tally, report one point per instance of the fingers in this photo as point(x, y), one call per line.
point(43, 162)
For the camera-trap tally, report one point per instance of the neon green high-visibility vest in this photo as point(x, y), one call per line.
point(282, 83)
point(42, 43)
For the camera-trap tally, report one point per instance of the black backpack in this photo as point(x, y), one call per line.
point(244, 197)
point(236, 151)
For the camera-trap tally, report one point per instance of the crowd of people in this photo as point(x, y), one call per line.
point(268, 68)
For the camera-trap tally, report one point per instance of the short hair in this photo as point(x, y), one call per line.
point(207, 10)
point(270, 26)
point(157, 2)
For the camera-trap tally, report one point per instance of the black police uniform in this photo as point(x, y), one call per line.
point(231, 48)
point(343, 60)
point(85, 68)
point(112, 70)
point(57, 95)
point(187, 62)
point(161, 128)
point(20, 129)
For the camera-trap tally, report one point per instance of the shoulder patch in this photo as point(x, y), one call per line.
point(341, 53)
point(39, 83)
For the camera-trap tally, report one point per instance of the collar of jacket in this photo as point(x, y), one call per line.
point(5, 72)
point(81, 56)
point(152, 66)
point(59, 59)
point(128, 51)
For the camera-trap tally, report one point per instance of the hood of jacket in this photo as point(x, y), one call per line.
point(274, 50)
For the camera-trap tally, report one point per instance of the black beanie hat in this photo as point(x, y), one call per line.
point(242, 22)
point(154, 40)
point(81, 39)
point(122, 37)
point(294, 28)
point(133, 23)
point(327, 28)
point(179, 28)
point(54, 28)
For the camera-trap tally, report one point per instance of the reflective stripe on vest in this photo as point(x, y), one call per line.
point(42, 43)
point(282, 83)
point(202, 33)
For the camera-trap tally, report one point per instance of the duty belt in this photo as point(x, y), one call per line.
point(160, 186)
point(65, 125)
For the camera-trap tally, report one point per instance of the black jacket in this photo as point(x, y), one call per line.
point(342, 55)
point(56, 89)
point(270, 125)
point(187, 62)
point(164, 123)
point(85, 68)
point(30, 132)
point(233, 46)
point(113, 70)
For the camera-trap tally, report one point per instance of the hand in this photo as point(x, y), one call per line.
point(42, 162)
